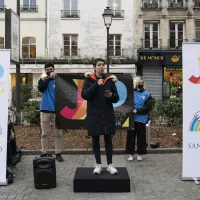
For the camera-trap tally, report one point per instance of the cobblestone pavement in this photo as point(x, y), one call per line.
point(157, 177)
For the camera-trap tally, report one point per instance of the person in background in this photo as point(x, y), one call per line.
point(100, 92)
point(46, 86)
point(141, 108)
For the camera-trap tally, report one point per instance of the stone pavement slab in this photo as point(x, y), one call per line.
point(157, 177)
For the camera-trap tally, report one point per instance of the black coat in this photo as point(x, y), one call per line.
point(100, 113)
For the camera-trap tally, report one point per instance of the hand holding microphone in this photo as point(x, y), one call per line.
point(100, 81)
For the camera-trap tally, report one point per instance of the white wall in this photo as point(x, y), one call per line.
point(32, 24)
point(35, 29)
point(90, 27)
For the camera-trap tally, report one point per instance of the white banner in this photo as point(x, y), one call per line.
point(191, 111)
point(4, 94)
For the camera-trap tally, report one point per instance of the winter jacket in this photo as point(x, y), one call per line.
point(47, 87)
point(100, 113)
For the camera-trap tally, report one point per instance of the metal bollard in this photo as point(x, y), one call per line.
point(148, 131)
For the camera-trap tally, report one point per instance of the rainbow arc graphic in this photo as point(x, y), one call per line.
point(195, 123)
point(195, 79)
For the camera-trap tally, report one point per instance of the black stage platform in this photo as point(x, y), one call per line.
point(86, 181)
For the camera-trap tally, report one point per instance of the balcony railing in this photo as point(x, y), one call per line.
point(2, 8)
point(197, 40)
point(151, 4)
point(177, 4)
point(70, 13)
point(118, 13)
point(176, 43)
point(29, 8)
point(115, 53)
point(151, 43)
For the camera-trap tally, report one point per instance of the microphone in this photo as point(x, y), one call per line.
point(101, 76)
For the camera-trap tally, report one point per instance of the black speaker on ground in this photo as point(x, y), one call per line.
point(44, 169)
point(86, 181)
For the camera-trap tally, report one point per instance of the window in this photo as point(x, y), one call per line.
point(197, 32)
point(25, 79)
point(1, 4)
point(29, 47)
point(176, 34)
point(1, 43)
point(151, 3)
point(115, 5)
point(70, 4)
point(173, 83)
point(29, 5)
point(70, 9)
point(115, 45)
point(176, 3)
point(197, 3)
point(151, 35)
point(70, 45)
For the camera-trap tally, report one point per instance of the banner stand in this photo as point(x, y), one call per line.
point(196, 180)
point(4, 95)
point(4, 183)
point(191, 112)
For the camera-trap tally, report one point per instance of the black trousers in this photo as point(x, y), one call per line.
point(9, 154)
point(139, 132)
point(108, 148)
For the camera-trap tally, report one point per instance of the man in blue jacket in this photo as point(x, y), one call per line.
point(46, 86)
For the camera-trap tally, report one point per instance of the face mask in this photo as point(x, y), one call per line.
point(48, 73)
point(140, 87)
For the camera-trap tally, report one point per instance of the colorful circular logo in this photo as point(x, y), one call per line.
point(122, 91)
point(1, 71)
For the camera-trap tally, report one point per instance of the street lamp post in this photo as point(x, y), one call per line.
point(18, 105)
point(107, 15)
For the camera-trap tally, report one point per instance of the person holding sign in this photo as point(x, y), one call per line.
point(142, 106)
point(100, 92)
point(46, 86)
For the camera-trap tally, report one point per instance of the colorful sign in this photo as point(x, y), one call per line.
point(196, 79)
point(4, 94)
point(71, 108)
point(191, 113)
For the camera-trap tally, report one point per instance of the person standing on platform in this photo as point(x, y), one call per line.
point(142, 106)
point(46, 86)
point(100, 92)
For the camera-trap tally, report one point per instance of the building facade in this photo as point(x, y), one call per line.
point(162, 27)
point(71, 33)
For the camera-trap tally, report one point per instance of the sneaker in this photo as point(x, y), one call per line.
point(139, 158)
point(59, 158)
point(130, 158)
point(97, 169)
point(112, 169)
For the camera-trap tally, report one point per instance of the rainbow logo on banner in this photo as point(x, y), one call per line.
point(195, 125)
point(1, 71)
